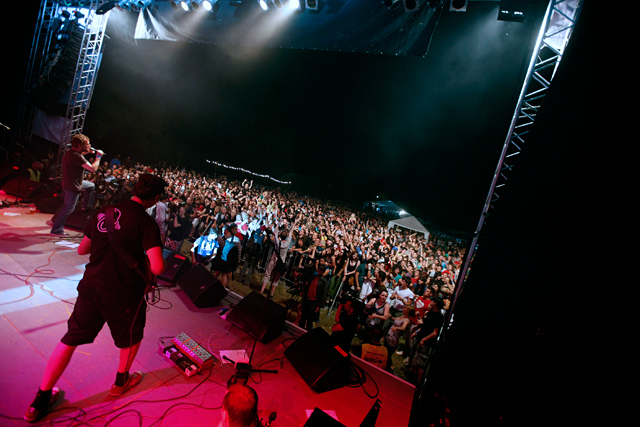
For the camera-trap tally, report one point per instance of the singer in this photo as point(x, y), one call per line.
point(73, 166)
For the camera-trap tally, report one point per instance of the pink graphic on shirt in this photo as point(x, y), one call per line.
point(102, 217)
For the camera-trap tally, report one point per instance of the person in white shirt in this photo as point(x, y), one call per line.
point(161, 216)
point(401, 296)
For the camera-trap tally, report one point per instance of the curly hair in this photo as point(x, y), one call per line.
point(78, 140)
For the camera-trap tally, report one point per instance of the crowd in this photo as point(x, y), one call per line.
point(385, 283)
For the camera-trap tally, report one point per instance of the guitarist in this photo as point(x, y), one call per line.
point(110, 290)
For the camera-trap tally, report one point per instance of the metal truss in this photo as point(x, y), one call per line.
point(45, 29)
point(85, 76)
point(87, 64)
point(555, 32)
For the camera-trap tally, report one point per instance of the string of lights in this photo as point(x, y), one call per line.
point(247, 171)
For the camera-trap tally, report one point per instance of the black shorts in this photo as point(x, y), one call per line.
point(125, 316)
point(218, 264)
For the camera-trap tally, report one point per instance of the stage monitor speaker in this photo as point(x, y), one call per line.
point(176, 266)
point(319, 361)
point(79, 219)
point(201, 287)
point(23, 188)
point(319, 418)
point(49, 201)
point(246, 316)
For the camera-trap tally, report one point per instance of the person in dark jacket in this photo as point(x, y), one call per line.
point(314, 298)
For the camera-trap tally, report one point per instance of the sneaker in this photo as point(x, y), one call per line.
point(133, 380)
point(33, 414)
point(63, 234)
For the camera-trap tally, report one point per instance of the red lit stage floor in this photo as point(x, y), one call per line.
point(34, 319)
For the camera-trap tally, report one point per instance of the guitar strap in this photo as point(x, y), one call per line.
point(130, 260)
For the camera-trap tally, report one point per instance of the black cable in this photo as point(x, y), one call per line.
point(362, 375)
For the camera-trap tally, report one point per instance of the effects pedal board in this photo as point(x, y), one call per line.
point(183, 363)
point(187, 355)
point(193, 350)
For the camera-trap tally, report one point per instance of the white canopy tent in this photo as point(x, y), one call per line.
point(411, 223)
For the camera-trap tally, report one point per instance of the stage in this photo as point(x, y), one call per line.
point(37, 291)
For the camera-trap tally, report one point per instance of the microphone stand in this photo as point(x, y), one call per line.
point(245, 371)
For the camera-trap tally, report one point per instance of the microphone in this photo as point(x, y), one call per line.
point(272, 418)
point(98, 152)
point(4, 126)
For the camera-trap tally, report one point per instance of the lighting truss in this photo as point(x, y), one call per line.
point(85, 76)
point(555, 32)
point(93, 26)
point(45, 29)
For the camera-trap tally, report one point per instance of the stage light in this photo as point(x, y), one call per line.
point(206, 4)
point(106, 7)
point(184, 6)
point(195, 5)
point(392, 4)
point(277, 4)
point(263, 5)
point(311, 4)
point(411, 5)
point(174, 5)
point(294, 5)
point(513, 10)
point(458, 6)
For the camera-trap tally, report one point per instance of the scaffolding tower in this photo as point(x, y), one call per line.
point(93, 28)
point(556, 29)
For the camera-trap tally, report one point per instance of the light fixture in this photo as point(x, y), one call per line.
point(206, 4)
point(411, 5)
point(263, 5)
point(184, 5)
point(512, 10)
point(458, 6)
point(106, 7)
point(392, 4)
point(311, 4)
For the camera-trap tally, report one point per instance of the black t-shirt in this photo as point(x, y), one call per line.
point(136, 232)
point(72, 171)
point(349, 323)
point(432, 321)
point(182, 232)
